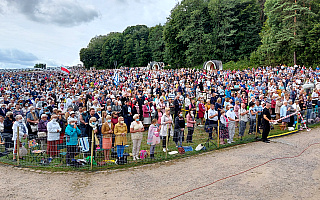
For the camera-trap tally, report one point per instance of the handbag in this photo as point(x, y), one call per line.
point(23, 151)
point(34, 128)
point(155, 140)
point(42, 134)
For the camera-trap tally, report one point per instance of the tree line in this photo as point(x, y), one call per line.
point(261, 32)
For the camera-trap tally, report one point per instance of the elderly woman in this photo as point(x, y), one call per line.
point(53, 137)
point(107, 131)
point(23, 132)
point(284, 112)
point(120, 131)
point(136, 129)
point(92, 126)
point(32, 122)
point(146, 113)
point(42, 129)
point(72, 132)
point(224, 123)
point(166, 128)
point(117, 107)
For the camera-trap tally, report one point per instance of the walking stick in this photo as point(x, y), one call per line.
point(91, 159)
point(18, 146)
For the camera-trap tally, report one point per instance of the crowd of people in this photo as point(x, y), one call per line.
point(53, 107)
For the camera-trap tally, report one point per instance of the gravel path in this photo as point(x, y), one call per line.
point(297, 178)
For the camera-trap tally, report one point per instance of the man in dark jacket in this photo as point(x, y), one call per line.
point(127, 115)
point(8, 132)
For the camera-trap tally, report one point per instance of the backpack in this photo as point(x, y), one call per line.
point(181, 150)
point(143, 154)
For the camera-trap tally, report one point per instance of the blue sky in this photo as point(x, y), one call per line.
point(54, 31)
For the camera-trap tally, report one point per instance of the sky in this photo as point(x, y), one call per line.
point(54, 31)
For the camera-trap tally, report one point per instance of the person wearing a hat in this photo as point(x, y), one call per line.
point(136, 129)
point(231, 115)
point(72, 132)
point(72, 117)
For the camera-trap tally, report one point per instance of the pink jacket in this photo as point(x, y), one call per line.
point(190, 121)
point(146, 111)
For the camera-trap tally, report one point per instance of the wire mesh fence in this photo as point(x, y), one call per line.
point(100, 152)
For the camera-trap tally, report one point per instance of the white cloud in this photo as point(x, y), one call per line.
point(55, 34)
point(59, 12)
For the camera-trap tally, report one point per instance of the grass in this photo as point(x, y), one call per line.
point(200, 136)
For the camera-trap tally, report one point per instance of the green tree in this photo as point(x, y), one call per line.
point(112, 50)
point(156, 43)
point(284, 33)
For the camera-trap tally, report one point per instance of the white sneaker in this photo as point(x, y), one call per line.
point(134, 158)
point(164, 150)
point(137, 157)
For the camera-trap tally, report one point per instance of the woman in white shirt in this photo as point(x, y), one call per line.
point(136, 129)
point(23, 132)
point(53, 136)
point(187, 103)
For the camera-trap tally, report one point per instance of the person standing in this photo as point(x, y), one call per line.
point(190, 125)
point(179, 126)
point(53, 136)
point(266, 123)
point(72, 131)
point(243, 118)
point(107, 132)
point(212, 120)
point(166, 128)
point(23, 133)
point(7, 130)
point(120, 131)
point(136, 130)
point(232, 123)
point(153, 132)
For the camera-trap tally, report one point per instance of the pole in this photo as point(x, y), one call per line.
point(294, 33)
point(167, 141)
point(218, 133)
point(91, 159)
point(257, 125)
point(18, 146)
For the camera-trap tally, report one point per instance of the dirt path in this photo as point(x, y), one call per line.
point(297, 178)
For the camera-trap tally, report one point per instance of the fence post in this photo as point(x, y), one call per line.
point(167, 141)
point(91, 159)
point(18, 146)
point(218, 133)
point(257, 125)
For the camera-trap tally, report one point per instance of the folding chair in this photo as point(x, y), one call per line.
point(35, 151)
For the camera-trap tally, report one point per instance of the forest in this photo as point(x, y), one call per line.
point(240, 33)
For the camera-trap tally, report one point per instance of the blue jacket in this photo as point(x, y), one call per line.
point(72, 134)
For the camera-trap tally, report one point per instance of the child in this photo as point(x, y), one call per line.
point(153, 137)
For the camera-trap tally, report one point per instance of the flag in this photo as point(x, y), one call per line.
point(116, 79)
point(65, 70)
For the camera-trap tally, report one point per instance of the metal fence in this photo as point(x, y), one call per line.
point(89, 153)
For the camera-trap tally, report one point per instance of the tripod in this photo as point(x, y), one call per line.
point(209, 140)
